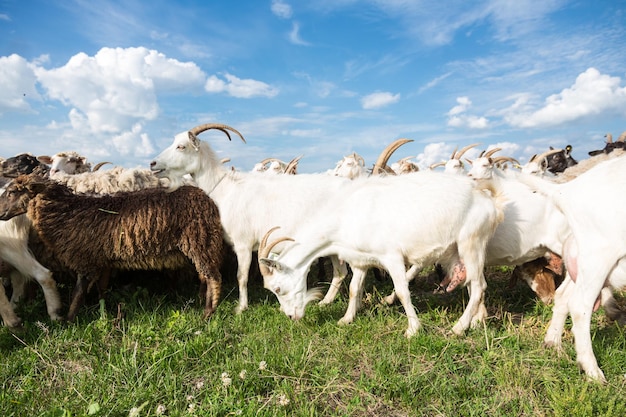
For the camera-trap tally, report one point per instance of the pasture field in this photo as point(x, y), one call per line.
point(146, 351)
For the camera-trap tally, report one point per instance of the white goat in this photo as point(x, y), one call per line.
point(593, 255)
point(249, 203)
point(455, 165)
point(351, 166)
point(426, 226)
point(538, 164)
point(14, 251)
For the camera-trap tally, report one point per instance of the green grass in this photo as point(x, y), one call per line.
point(144, 352)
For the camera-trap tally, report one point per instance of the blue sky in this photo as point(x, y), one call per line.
point(116, 80)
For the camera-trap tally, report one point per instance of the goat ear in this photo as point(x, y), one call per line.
point(272, 264)
point(195, 142)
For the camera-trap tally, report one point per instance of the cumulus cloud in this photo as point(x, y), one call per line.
point(17, 83)
point(238, 87)
point(457, 116)
point(117, 87)
point(378, 100)
point(591, 94)
point(281, 9)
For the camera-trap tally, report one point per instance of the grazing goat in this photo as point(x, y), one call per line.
point(250, 203)
point(593, 256)
point(426, 226)
point(147, 229)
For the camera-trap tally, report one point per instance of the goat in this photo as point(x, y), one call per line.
point(147, 229)
point(455, 165)
point(250, 203)
point(426, 227)
point(538, 164)
point(354, 222)
point(276, 166)
point(592, 254)
point(350, 166)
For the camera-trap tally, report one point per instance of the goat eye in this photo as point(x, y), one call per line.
point(277, 290)
point(181, 147)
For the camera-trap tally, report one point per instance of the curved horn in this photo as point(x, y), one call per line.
point(532, 158)
point(292, 165)
point(99, 165)
point(384, 156)
point(453, 156)
point(489, 153)
point(359, 159)
point(218, 126)
point(465, 149)
point(499, 159)
point(546, 154)
point(437, 164)
point(265, 249)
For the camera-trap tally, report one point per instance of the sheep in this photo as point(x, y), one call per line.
point(593, 256)
point(250, 203)
point(23, 163)
point(69, 162)
point(610, 146)
point(560, 161)
point(146, 229)
point(355, 223)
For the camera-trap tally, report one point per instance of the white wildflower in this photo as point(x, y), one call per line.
point(283, 400)
point(226, 379)
point(199, 384)
point(262, 366)
point(160, 410)
point(243, 374)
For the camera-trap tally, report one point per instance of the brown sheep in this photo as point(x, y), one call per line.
point(147, 229)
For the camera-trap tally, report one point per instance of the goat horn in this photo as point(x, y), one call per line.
point(489, 153)
point(622, 137)
point(609, 138)
point(224, 128)
point(532, 158)
point(99, 165)
point(359, 159)
point(384, 156)
point(453, 156)
point(546, 154)
point(436, 164)
point(464, 149)
point(265, 249)
point(498, 159)
point(291, 166)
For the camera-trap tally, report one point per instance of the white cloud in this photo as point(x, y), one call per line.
point(458, 118)
point(281, 9)
point(239, 88)
point(116, 87)
point(593, 93)
point(134, 142)
point(378, 100)
point(5, 17)
point(17, 83)
point(294, 35)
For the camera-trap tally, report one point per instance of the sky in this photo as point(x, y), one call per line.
point(117, 80)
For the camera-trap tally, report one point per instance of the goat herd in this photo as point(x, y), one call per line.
point(548, 220)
